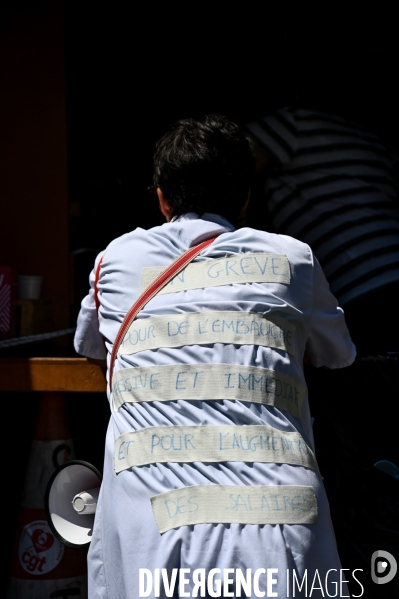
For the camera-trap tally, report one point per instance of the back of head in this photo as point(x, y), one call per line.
point(204, 165)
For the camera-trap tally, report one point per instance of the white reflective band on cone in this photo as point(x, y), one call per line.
point(240, 268)
point(208, 443)
point(208, 382)
point(283, 504)
point(201, 328)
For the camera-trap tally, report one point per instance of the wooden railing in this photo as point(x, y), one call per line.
point(52, 374)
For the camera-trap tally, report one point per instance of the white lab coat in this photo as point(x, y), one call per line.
point(125, 536)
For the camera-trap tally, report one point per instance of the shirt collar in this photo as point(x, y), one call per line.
point(208, 216)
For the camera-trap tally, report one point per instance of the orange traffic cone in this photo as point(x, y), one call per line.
point(42, 566)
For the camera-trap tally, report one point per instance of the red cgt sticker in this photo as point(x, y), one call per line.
point(39, 551)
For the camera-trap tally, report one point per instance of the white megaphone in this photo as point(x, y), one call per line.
point(71, 500)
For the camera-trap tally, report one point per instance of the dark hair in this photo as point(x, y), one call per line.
point(204, 165)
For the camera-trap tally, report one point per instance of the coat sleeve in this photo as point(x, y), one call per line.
point(329, 342)
point(88, 340)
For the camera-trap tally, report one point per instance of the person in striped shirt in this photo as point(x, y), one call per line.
point(333, 185)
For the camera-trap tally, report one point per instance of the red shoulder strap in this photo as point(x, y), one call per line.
point(97, 301)
point(171, 271)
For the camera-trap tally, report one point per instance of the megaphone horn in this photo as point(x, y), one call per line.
point(71, 500)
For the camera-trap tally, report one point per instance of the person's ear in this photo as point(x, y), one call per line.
point(164, 205)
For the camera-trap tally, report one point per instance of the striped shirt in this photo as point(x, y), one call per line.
point(332, 185)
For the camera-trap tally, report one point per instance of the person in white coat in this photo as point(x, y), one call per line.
point(211, 485)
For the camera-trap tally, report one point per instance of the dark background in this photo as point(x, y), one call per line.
point(129, 74)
